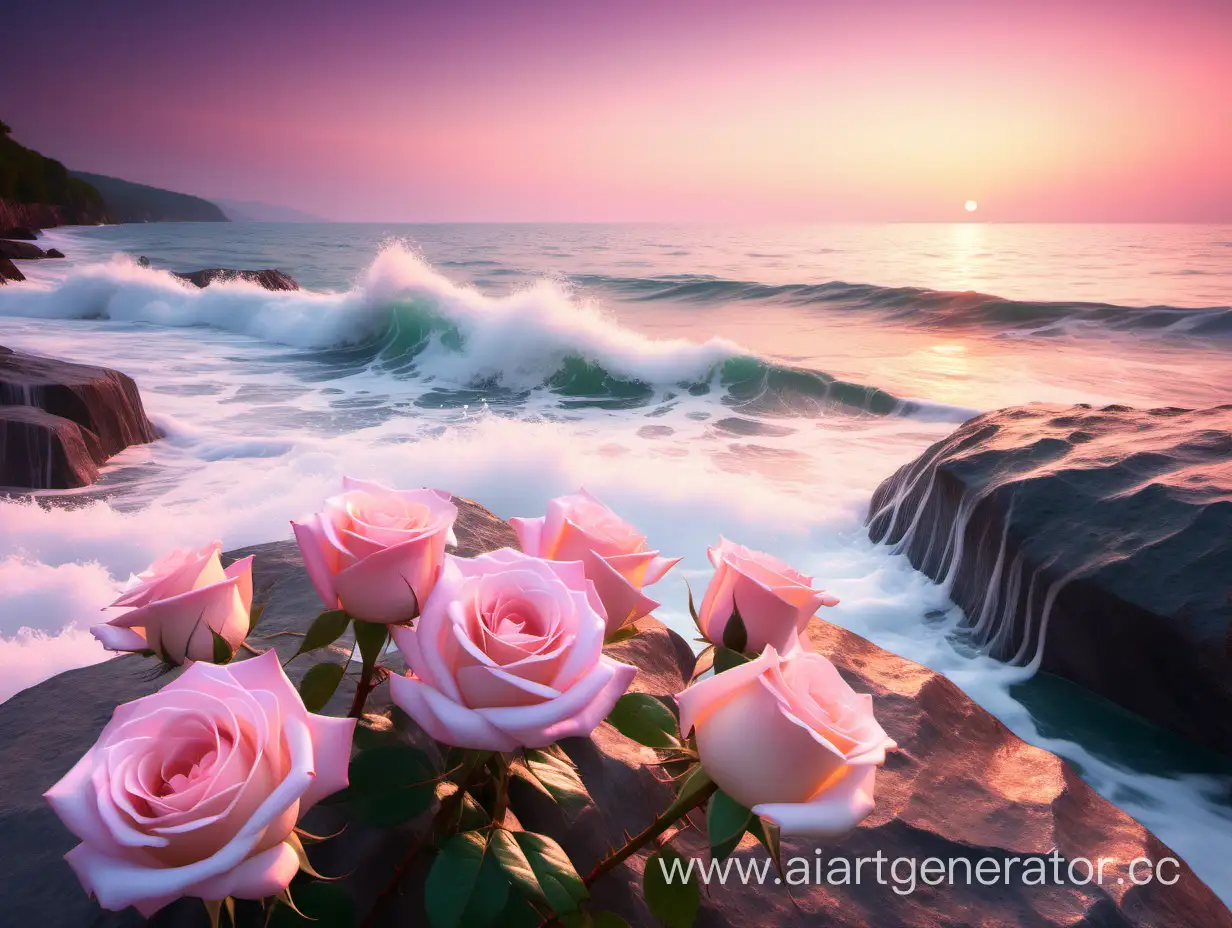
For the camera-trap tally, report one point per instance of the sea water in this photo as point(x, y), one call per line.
point(756, 383)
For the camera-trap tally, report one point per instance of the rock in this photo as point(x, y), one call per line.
point(20, 232)
point(961, 786)
point(41, 451)
point(8, 271)
point(269, 279)
point(22, 251)
point(53, 253)
point(1104, 533)
point(95, 400)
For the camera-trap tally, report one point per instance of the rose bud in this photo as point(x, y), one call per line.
point(377, 552)
point(785, 736)
point(580, 528)
point(196, 789)
point(775, 602)
point(176, 604)
point(508, 653)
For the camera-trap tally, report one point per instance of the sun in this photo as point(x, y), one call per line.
point(971, 206)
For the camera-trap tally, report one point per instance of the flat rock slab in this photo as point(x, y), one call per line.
point(961, 786)
point(96, 400)
point(269, 279)
point(1099, 540)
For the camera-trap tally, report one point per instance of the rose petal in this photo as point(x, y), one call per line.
point(447, 721)
point(833, 812)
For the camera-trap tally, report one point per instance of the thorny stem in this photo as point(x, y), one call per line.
point(369, 679)
point(448, 807)
point(661, 824)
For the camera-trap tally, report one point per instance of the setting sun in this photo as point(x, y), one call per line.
point(971, 206)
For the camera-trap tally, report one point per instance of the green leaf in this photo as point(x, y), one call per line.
point(222, 650)
point(646, 720)
point(519, 913)
point(555, 771)
point(735, 635)
point(319, 684)
point(726, 659)
point(539, 868)
point(324, 630)
point(254, 616)
point(371, 637)
point(465, 886)
point(675, 903)
point(391, 784)
point(692, 608)
point(726, 823)
point(560, 882)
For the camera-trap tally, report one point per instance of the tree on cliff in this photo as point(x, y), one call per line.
point(28, 177)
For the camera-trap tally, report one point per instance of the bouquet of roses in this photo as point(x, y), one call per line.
point(200, 789)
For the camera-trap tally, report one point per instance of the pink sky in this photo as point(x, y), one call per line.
point(681, 110)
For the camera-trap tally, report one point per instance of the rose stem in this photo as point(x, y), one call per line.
point(500, 804)
point(369, 678)
point(661, 824)
point(656, 828)
point(443, 814)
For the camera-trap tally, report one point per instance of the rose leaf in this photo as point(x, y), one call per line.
point(646, 720)
point(319, 684)
point(324, 630)
point(465, 886)
point(670, 891)
point(726, 823)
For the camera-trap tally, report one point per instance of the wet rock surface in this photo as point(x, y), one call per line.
point(9, 271)
point(961, 786)
point(99, 411)
point(1096, 541)
point(269, 279)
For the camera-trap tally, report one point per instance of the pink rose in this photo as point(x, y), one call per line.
point(775, 601)
point(508, 653)
point(785, 736)
point(176, 602)
point(377, 552)
point(196, 789)
point(580, 528)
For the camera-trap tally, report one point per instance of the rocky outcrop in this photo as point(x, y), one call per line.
point(22, 233)
point(88, 414)
point(22, 251)
point(269, 279)
point(8, 271)
point(1095, 542)
point(40, 451)
point(961, 786)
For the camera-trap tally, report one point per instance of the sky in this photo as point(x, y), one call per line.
point(641, 110)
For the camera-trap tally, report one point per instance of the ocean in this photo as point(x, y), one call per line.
point(757, 383)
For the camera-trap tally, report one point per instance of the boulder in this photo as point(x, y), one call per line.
point(961, 786)
point(102, 404)
point(53, 253)
point(42, 451)
point(269, 279)
point(22, 233)
point(22, 251)
point(1097, 542)
point(8, 271)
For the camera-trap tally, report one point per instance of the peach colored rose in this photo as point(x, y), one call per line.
point(785, 736)
point(580, 528)
point(508, 653)
point(775, 601)
point(175, 602)
point(377, 552)
point(196, 789)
